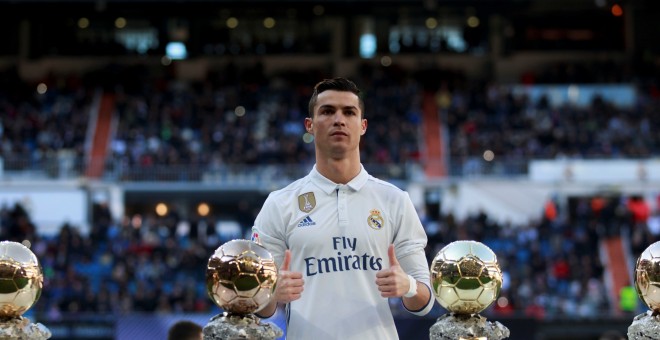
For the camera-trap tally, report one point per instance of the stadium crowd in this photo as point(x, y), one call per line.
point(39, 124)
point(240, 116)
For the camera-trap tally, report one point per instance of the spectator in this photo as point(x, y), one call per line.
point(185, 330)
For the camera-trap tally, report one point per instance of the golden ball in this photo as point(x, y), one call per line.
point(466, 277)
point(241, 277)
point(647, 276)
point(21, 279)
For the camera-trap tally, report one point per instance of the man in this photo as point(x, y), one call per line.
point(345, 241)
point(185, 330)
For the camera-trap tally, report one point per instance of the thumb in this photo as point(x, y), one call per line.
point(287, 260)
point(392, 256)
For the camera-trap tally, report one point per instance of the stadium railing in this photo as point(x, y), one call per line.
point(54, 167)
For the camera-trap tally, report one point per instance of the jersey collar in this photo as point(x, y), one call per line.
point(329, 186)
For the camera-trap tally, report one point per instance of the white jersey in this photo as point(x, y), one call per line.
point(338, 236)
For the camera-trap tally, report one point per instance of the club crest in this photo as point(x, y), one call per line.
point(255, 236)
point(375, 219)
point(306, 202)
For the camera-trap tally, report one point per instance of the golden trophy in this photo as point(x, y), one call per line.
point(21, 282)
point(240, 278)
point(466, 279)
point(647, 283)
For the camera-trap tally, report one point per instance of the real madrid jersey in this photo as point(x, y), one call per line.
point(338, 236)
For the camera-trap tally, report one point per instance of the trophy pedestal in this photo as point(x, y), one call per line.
point(22, 329)
point(227, 326)
point(455, 326)
point(645, 326)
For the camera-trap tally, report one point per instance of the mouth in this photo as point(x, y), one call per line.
point(338, 133)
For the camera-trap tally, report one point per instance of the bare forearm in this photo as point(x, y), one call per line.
point(267, 311)
point(420, 300)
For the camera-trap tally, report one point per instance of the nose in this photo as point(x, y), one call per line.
point(340, 118)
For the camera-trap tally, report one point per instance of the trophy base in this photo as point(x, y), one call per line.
point(455, 326)
point(22, 329)
point(227, 326)
point(645, 326)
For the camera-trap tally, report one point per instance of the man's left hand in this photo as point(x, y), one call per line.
point(392, 281)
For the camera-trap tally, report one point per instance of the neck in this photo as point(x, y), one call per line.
point(340, 171)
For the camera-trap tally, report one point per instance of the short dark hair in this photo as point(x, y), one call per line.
point(337, 84)
point(184, 330)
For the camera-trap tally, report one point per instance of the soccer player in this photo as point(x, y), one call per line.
point(344, 240)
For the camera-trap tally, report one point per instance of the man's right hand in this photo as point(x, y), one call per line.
point(290, 284)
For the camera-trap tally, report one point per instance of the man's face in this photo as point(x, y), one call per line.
point(337, 124)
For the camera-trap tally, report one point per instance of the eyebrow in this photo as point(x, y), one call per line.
point(328, 106)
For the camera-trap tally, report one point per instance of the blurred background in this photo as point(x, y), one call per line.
point(138, 136)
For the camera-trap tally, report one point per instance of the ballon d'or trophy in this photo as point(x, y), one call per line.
point(466, 278)
point(647, 282)
point(21, 282)
point(240, 278)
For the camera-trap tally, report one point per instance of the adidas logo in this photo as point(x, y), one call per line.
point(306, 222)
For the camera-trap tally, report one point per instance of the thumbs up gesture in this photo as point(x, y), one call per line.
point(289, 284)
point(392, 281)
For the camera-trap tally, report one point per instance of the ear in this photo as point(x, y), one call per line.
point(364, 127)
point(309, 125)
